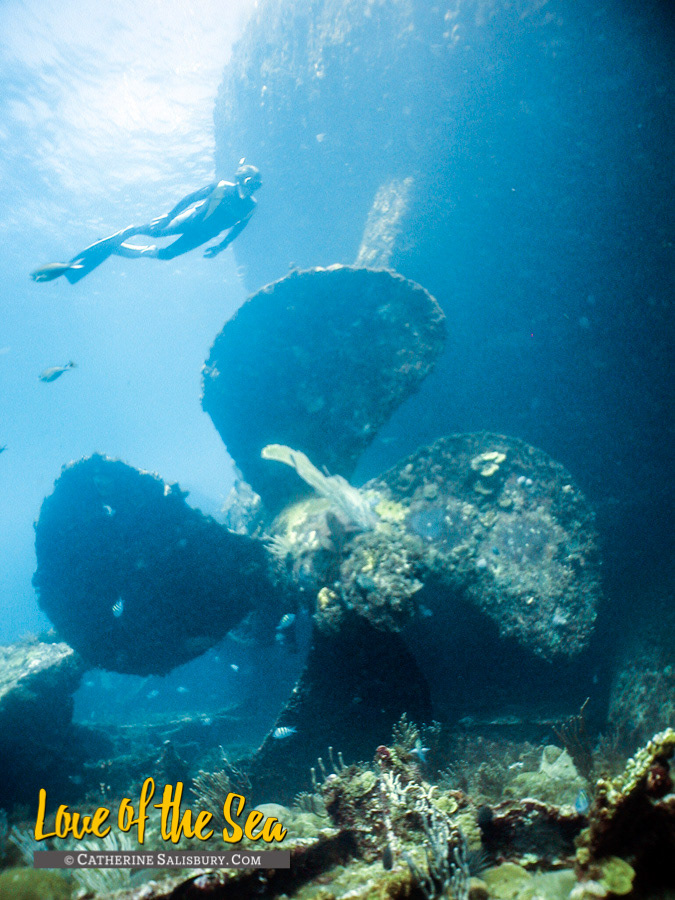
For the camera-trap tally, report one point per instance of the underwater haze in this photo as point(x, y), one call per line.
point(107, 115)
point(369, 517)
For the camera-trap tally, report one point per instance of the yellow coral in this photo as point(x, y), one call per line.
point(390, 511)
point(486, 464)
point(637, 767)
point(617, 875)
point(325, 598)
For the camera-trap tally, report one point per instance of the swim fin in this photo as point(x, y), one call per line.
point(86, 261)
point(52, 271)
point(93, 255)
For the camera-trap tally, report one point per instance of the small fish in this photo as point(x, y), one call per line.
point(54, 372)
point(108, 510)
point(3, 448)
point(285, 731)
point(285, 622)
point(234, 667)
point(151, 696)
point(118, 607)
point(53, 270)
point(583, 802)
point(181, 689)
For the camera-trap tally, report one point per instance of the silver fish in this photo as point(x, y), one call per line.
point(284, 731)
point(54, 372)
point(118, 607)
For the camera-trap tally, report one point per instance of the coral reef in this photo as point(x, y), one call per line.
point(380, 831)
point(211, 787)
point(556, 780)
point(384, 831)
point(632, 818)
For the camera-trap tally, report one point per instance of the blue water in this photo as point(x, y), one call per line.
point(107, 119)
point(106, 115)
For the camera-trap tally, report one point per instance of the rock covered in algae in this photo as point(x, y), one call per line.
point(33, 669)
point(32, 884)
point(556, 781)
point(132, 577)
point(510, 881)
point(37, 681)
point(318, 361)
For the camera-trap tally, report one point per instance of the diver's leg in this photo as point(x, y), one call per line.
point(135, 251)
point(93, 255)
point(184, 244)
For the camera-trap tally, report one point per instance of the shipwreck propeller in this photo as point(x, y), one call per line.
point(475, 560)
point(318, 361)
point(132, 577)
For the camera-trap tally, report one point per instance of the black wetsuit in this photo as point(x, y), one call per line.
point(230, 212)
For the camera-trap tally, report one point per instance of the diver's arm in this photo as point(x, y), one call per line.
point(229, 237)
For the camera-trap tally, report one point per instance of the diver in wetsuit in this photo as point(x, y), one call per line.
point(197, 218)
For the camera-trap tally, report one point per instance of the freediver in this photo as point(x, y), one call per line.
point(197, 218)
